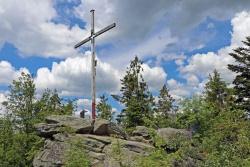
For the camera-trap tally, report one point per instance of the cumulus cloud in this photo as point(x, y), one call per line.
point(28, 25)
point(137, 21)
point(137, 17)
point(150, 47)
point(9, 73)
point(73, 77)
point(155, 77)
point(199, 66)
point(241, 25)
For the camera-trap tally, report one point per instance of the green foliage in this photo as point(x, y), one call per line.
point(19, 143)
point(117, 153)
point(76, 156)
point(165, 110)
point(137, 99)
point(216, 91)
point(51, 104)
point(104, 110)
point(17, 149)
point(157, 158)
point(21, 103)
point(242, 80)
point(165, 102)
point(227, 142)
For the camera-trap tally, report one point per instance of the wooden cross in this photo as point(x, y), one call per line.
point(91, 38)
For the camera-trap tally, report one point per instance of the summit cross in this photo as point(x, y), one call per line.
point(91, 38)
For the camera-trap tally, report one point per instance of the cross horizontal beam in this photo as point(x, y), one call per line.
point(82, 42)
point(104, 30)
point(95, 35)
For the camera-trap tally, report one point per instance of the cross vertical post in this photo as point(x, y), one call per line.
point(93, 65)
point(91, 38)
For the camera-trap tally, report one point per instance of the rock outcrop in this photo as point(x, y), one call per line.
point(78, 125)
point(141, 134)
point(98, 141)
point(105, 143)
point(167, 133)
point(101, 150)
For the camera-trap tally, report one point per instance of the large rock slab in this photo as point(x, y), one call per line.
point(114, 129)
point(79, 125)
point(124, 153)
point(52, 155)
point(91, 143)
point(47, 130)
point(106, 128)
point(101, 127)
point(138, 147)
point(168, 133)
point(141, 131)
point(141, 134)
point(103, 151)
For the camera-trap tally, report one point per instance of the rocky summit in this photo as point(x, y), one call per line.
point(100, 141)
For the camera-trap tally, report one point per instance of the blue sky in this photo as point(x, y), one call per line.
point(181, 42)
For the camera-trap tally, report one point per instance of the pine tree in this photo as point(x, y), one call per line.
point(165, 102)
point(216, 91)
point(165, 109)
point(137, 99)
point(242, 80)
point(104, 110)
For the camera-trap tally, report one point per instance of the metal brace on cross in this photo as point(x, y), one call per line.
point(93, 60)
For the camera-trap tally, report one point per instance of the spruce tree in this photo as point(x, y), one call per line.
point(216, 91)
point(165, 110)
point(165, 102)
point(104, 110)
point(137, 99)
point(242, 79)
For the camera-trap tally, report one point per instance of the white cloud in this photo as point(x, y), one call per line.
point(177, 89)
point(141, 24)
point(73, 77)
point(27, 24)
point(9, 73)
point(199, 66)
point(150, 47)
point(241, 26)
point(155, 77)
point(132, 15)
